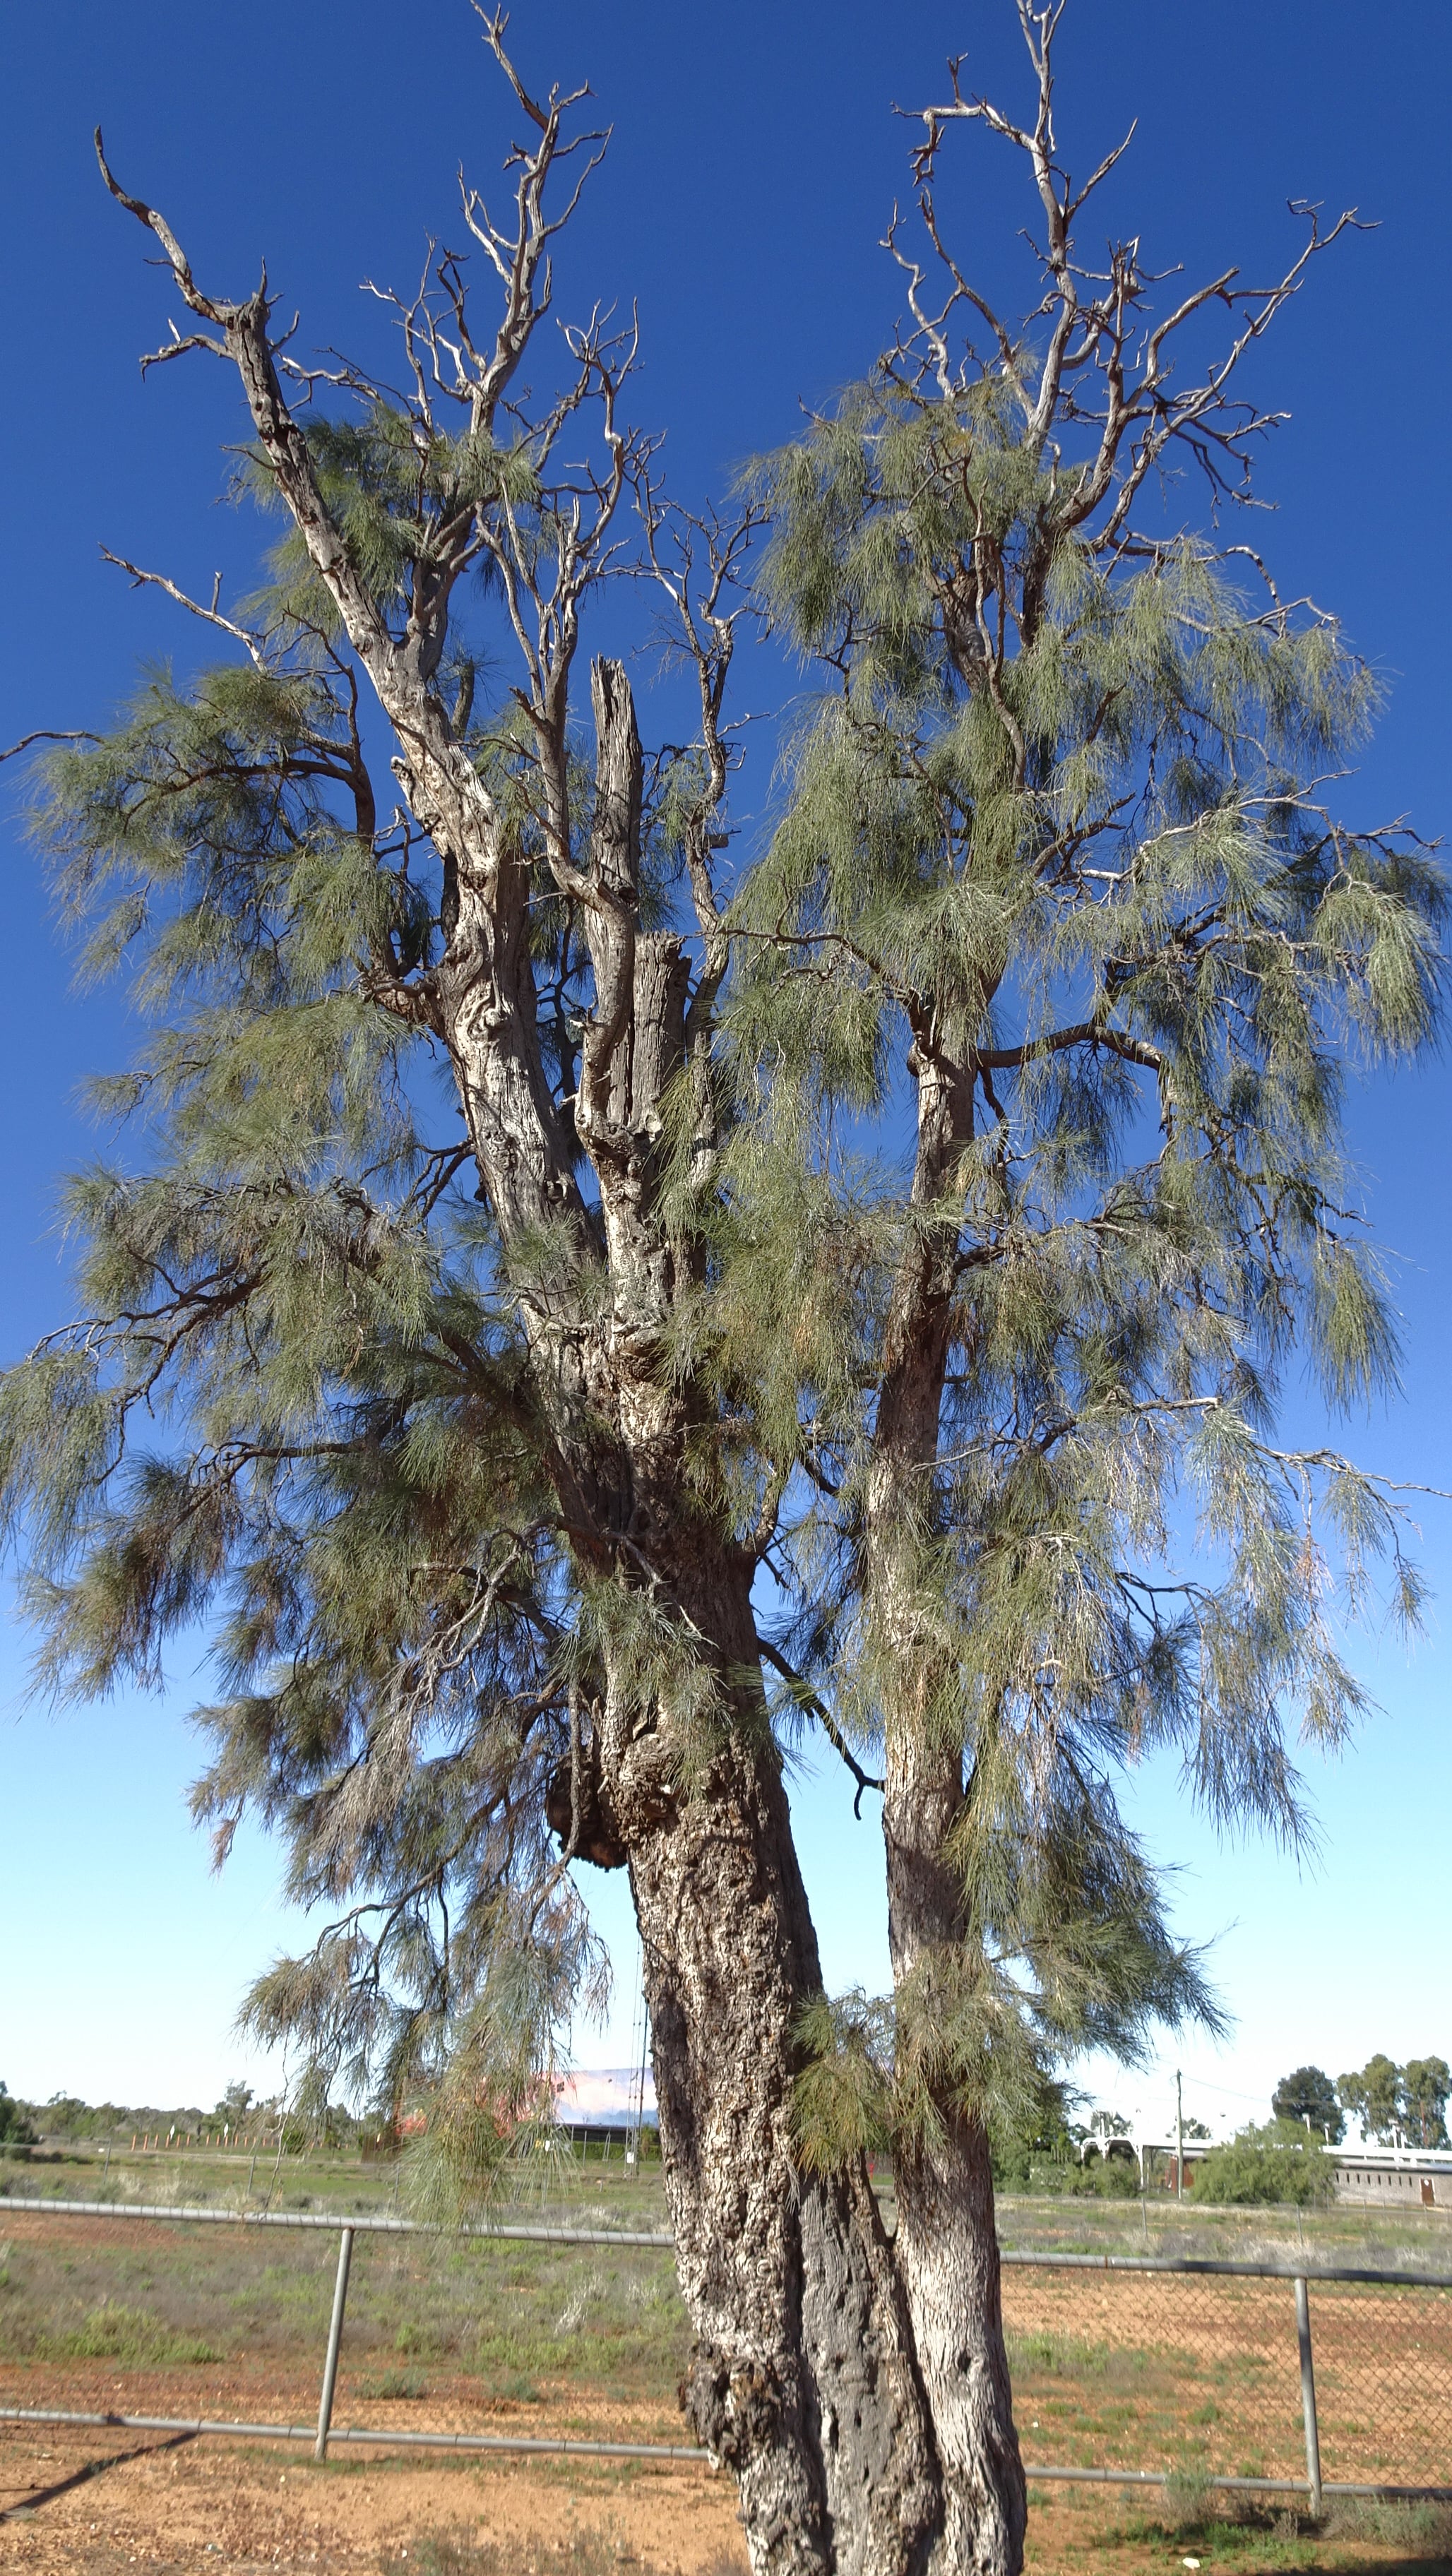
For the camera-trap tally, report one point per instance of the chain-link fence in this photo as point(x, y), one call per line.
point(572, 2337)
point(1159, 2366)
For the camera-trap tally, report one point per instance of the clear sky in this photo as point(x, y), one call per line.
point(755, 160)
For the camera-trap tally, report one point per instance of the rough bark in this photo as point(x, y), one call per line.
point(802, 2376)
point(946, 2244)
point(947, 2241)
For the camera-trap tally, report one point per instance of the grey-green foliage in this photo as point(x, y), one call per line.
point(1050, 832)
point(1398, 2105)
point(1053, 845)
point(298, 1406)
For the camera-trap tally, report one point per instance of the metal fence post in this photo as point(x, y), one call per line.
point(335, 2337)
point(1308, 2396)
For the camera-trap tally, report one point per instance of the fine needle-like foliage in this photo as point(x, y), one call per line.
point(1048, 989)
point(302, 1407)
point(1044, 1001)
point(932, 1258)
point(298, 1395)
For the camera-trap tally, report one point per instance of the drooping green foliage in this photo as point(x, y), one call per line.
point(16, 2127)
point(1050, 981)
point(1021, 1187)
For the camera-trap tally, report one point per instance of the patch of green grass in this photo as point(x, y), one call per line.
point(1072, 2357)
point(1251, 2532)
point(1188, 2496)
point(440, 2554)
point(1413, 2530)
point(550, 2356)
point(395, 2383)
point(123, 2334)
point(419, 2340)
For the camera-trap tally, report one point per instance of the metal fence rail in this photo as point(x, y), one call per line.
point(1207, 2362)
point(379, 2438)
point(362, 2223)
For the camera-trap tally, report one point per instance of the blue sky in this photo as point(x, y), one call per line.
point(754, 163)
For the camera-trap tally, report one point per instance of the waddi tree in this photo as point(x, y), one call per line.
point(585, 1302)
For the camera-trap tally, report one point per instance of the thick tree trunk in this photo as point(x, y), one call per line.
point(802, 2377)
point(947, 2241)
point(947, 2238)
point(947, 2252)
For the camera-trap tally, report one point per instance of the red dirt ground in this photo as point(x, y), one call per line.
point(100, 2502)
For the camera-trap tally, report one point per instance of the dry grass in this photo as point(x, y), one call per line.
point(1194, 2376)
point(594, 2551)
point(507, 2321)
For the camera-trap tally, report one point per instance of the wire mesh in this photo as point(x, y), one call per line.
point(1176, 2371)
point(1383, 2382)
point(1136, 2371)
point(441, 2333)
point(1155, 2370)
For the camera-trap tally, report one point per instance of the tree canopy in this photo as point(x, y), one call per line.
point(1399, 2105)
point(1308, 2095)
point(582, 1302)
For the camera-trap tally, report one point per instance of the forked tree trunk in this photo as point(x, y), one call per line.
point(802, 2377)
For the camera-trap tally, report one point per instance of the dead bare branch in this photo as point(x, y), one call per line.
point(43, 733)
point(140, 580)
point(1108, 364)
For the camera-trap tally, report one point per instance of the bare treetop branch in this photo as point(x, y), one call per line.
point(1108, 364)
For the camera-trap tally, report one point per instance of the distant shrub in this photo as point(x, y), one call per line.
point(1111, 2177)
point(397, 2383)
point(1278, 2162)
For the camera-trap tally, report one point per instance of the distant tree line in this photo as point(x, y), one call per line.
point(1395, 2105)
point(15, 2125)
point(1284, 2159)
point(66, 2116)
